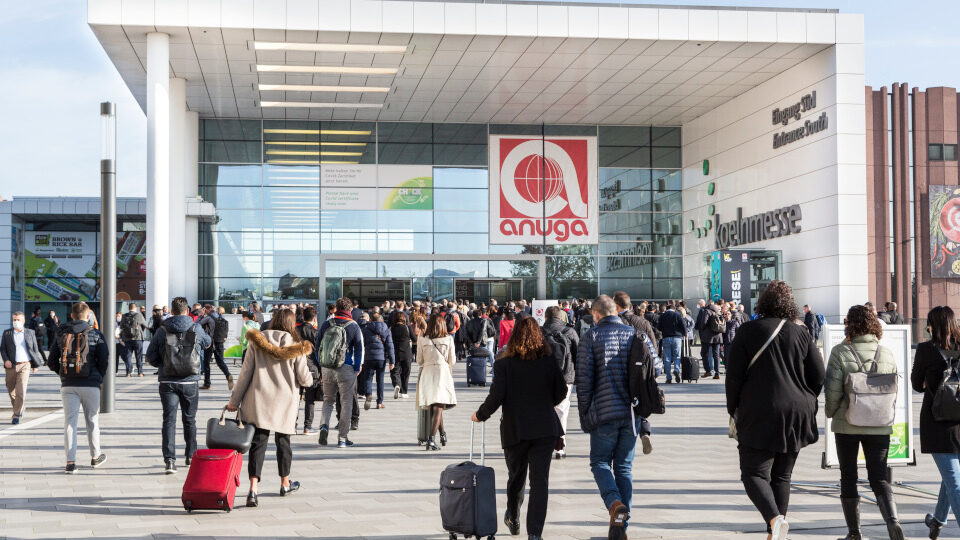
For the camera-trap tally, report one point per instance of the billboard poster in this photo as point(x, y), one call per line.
point(16, 274)
point(543, 190)
point(539, 309)
point(897, 339)
point(944, 231)
point(730, 277)
point(372, 187)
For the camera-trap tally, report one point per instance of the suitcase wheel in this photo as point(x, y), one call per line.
point(453, 536)
point(188, 508)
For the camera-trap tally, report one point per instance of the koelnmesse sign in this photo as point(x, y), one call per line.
point(783, 116)
point(768, 225)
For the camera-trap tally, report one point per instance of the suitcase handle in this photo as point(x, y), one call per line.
point(483, 441)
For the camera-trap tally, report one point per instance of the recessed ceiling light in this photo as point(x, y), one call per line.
point(310, 153)
point(315, 88)
point(327, 69)
point(314, 143)
point(307, 162)
point(328, 47)
point(317, 131)
point(316, 105)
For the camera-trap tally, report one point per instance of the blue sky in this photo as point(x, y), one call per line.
point(53, 75)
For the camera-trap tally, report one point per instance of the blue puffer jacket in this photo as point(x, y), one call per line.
point(176, 324)
point(377, 343)
point(603, 393)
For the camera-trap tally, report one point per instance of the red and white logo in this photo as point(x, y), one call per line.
point(543, 190)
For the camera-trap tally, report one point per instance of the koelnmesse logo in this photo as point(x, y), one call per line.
point(764, 226)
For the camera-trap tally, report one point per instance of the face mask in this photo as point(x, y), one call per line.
point(18, 325)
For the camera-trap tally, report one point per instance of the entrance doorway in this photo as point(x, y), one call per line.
point(482, 290)
point(373, 292)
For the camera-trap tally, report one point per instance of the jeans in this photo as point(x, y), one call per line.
point(490, 345)
point(373, 370)
point(343, 380)
point(949, 466)
point(875, 450)
point(766, 479)
point(134, 347)
point(534, 455)
point(187, 397)
point(613, 443)
point(215, 351)
point(671, 355)
point(75, 397)
point(710, 353)
point(258, 451)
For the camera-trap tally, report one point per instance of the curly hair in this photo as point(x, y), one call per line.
point(862, 321)
point(526, 340)
point(776, 301)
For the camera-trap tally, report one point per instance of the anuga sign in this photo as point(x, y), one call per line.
point(766, 226)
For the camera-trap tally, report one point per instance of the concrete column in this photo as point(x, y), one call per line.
point(191, 240)
point(158, 168)
point(177, 227)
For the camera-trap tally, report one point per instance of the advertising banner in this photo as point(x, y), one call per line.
point(897, 339)
point(944, 231)
point(231, 347)
point(730, 277)
point(333, 175)
point(372, 187)
point(348, 198)
point(16, 275)
point(543, 190)
point(539, 309)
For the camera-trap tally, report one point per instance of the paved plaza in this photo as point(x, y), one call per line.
point(386, 487)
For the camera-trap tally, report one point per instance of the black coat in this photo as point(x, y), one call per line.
point(528, 390)
point(51, 326)
point(402, 344)
point(775, 403)
point(926, 376)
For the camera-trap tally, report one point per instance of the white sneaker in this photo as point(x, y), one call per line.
point(405, 396)
point(780, 528)
point(647, 444)
point(396, 392)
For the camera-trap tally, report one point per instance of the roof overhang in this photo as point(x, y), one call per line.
point(466, 62)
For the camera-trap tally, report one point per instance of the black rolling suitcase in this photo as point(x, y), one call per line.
point(476, 370)
point(468, 496)
point(423, 425)
point(689, 366)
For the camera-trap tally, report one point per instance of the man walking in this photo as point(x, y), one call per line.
point(79, 355)
point(811, 322)
point(21, 357)
point(177, 349)
point(711, 338)
point(555, 326)
point(344, 341)
point(605, 413)
point(132, 325)
point(627, 316)
point(673, 329)
point(39, 328)
point(217, 328)
point(314, 393)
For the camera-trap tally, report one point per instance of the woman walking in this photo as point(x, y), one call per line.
point(939, 436)
point(774, 376)
point(436, 357)
point(403, 354)
point(859, 352)
point(268, 393)
point(528, 384)
point(506, 328)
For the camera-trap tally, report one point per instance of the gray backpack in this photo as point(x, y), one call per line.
point(333, 345)
point(871, 396)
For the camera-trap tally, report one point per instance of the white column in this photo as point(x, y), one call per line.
point(178, 111)
point(158, 168)
point(191, 243)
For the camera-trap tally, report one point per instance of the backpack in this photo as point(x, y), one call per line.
point(821, 320)
point(584, 326)
point(871, 396)
point(946, 401)
point(333, 345)
point(560, 341)
point(715, 323)
point(453, 322)
point(74, 349)
point(220, 329)
point(127, 324)
point(646, 397)
point(180, 355)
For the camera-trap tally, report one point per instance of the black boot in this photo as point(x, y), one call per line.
point(888, 510)
point(851, 514)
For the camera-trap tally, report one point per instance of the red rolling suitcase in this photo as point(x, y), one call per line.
point(212, 480)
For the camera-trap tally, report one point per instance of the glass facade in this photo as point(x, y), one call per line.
point(284, 232)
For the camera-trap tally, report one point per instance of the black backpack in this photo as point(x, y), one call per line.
point(127, 323)
point(558, 341)
point(180, 355)
point(220, 329)
point(715, 323)
point(646, 397)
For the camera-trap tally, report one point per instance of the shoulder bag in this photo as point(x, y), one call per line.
point(732, 433)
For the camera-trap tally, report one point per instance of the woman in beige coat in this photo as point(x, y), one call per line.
point(267, 392)
point(436, 357)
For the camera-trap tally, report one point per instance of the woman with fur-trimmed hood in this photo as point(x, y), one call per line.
point(267, 394)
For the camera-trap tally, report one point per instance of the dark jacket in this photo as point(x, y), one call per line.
point(354, 339)
point(584, 323)
point(355, 314)
point(97, 355)
point(732, 326)
point(51, 325)
point(556, 326)
point(927, 376)
point(707, 336)
point(402, 343)
point(671, 324)
point(309, 334)
point(478, 331)
point(775, 403)
point(138, 325)
point(603, 395)
point(8, 349)
point(639, 323)
point(812, 324)
point(894, 317)
point(176, 324)
point(528, 390)
point(377, 343)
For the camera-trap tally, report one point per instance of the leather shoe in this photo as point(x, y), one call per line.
point(294, 486)
point(252, 501)
point(513, 525)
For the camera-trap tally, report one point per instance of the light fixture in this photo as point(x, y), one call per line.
point(328, 47)
point(327, 69)
point(283, 131)
point(307, 162)
point(315, 105)
point(316, 88)
point(314, 143)
point(310, 153)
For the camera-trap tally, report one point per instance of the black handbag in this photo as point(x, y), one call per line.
point(946, 401)
point(229, 433)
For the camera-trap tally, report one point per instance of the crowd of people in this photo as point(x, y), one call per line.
point(609, 349)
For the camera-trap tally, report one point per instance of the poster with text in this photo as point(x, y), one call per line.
point(405, 187)
point(730, 277)
point(543, 190)
point(16, 271)
point(944, 231)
